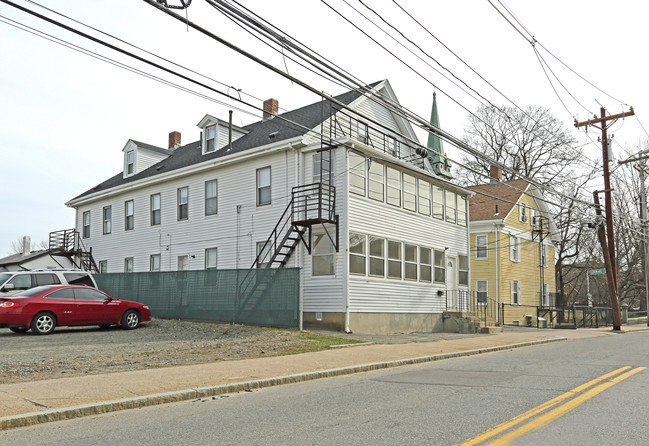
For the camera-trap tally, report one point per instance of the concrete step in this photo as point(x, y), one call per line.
point(491, 329)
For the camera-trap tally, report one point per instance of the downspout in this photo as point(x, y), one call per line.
point(497, 274)
point(300, 252)
point(346, 234)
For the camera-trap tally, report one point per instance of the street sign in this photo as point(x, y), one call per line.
point(595, 272)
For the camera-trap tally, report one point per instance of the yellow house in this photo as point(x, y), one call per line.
point(512, 249)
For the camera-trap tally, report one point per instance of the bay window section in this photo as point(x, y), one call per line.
point(377, 256)
point(357, 173)
point(423, 189)
point(425, 265)
point(394, 259)
point(461, 210)
point(376, 187)
point(393, 178)
point(438, 202)
point(440, 268)
point(409, 262)
point(357, 253)
point(450, 207)
point(409, 192)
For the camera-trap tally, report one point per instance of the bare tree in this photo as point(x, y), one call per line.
point(531, 142)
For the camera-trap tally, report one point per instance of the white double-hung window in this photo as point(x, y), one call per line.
point(481, 246)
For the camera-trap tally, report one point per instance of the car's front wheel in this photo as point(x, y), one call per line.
point(43, 323)
point(20, 329)
point(130, 319)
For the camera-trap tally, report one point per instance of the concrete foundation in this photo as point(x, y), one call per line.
point(378, 323)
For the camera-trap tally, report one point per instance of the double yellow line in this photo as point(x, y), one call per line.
point(539, 421)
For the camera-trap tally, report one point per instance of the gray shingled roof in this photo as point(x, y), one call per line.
point(307, 117)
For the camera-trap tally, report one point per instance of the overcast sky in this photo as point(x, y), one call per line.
point(65, 116)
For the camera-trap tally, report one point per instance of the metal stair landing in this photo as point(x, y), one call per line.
point(68, 243)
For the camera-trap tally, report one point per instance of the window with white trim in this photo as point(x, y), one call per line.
point(440, 266)
point(482, 291)
point(357, 253)
point(86, 224)
point(128, 265)
point(425, 264)
point(210, 139)
point(514, 248)
point(461, 210)
point(210, 258)
point(377, 256)
point(357, 173)
point(183, 263)
point(154, 263)
point(375, 180)
point(155, 210)
point(211, 196)
point(516, 292)
point(450, 206)
point(107, 216)
point(263, 186)
point(423, 193)
point(362, 132)
point(409, 192)
point(130, 162)
point(323, 256)
point(103, 266)
point(393, 146)
point(409, 261)
point(438, 202)
point(481, 251)
point(394, 259)
point(129, 215)
point(393, 179)
point(522, 213)
point(463, 269)
point(183, 203)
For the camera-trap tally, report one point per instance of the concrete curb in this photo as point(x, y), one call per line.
point(68, 413)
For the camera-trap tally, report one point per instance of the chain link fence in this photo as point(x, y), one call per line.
point(212, 295)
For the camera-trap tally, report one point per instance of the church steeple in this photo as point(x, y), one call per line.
point(440, 164)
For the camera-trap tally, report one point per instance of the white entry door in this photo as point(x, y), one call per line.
point(451, 274)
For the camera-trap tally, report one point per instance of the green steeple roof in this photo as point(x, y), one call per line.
point(440, 164)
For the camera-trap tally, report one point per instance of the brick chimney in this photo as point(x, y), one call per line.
point(271, 107)
point(174, 140)
point(496, 174)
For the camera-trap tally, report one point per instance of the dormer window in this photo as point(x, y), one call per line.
point(130, 162)
point(210, 137)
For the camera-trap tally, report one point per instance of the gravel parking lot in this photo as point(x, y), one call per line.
point(159, 343)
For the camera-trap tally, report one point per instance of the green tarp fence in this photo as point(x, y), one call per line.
point(213, 295)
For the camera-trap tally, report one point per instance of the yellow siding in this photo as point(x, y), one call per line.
point(527, 271)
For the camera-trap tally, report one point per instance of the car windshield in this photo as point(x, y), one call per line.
point(4, 277)
point(32, 291)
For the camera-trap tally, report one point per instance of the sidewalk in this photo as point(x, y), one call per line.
point(23, 404)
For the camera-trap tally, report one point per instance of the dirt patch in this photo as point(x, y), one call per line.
point(159, 343)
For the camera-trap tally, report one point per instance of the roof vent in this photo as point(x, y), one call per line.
point(273, 135)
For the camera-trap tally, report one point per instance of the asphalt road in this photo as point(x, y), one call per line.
point(439, 403)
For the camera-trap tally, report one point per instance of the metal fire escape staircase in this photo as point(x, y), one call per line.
point(68, 243)
point(310, 205)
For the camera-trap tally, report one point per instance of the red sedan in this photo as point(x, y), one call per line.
point(44, 307)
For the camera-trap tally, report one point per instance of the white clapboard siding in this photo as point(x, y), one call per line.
point(235, 234)
point(146, 158)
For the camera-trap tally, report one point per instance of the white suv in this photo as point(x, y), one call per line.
point(12, 282)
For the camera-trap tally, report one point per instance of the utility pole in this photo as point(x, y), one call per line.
point(612, 286)
point(643, 223)
point(605, 122)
